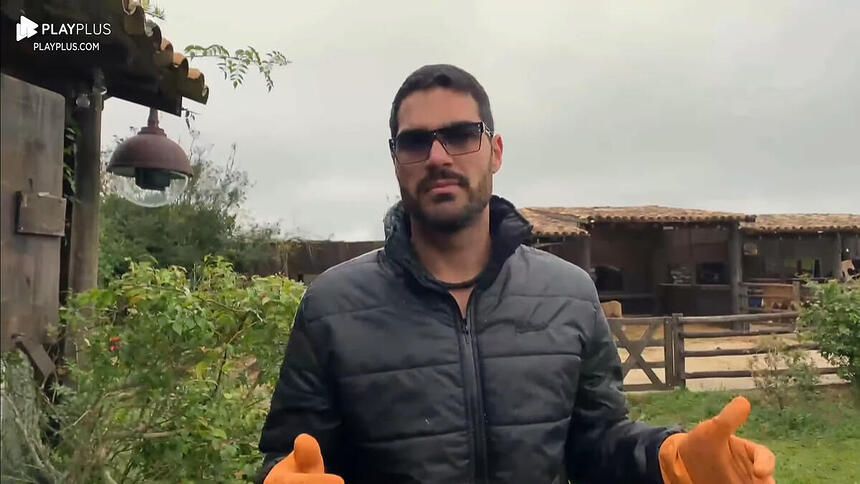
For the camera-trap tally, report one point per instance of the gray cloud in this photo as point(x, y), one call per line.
point(745, 106)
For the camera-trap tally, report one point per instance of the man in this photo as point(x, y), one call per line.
point(455, 354)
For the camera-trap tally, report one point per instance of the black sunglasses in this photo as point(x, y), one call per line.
point(413, 146)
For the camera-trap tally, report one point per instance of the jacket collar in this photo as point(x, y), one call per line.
point(508, 229)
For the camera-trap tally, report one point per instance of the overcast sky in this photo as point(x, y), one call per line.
point(750, 106)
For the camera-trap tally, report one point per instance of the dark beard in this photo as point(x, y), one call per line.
point(478, 199)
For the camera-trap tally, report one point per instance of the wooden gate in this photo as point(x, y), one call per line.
point(636, 346)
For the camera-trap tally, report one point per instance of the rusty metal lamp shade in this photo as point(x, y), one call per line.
point(150, 169)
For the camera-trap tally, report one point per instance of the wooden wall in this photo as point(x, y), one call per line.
point(307, 259)
point(645, 253)
point(777, 254)
point(32, 166)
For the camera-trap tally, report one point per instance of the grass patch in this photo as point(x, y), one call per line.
point(815, 439)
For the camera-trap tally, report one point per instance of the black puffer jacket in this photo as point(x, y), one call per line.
point(399, 388)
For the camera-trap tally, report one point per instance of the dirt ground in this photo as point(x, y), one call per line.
point(712, 363)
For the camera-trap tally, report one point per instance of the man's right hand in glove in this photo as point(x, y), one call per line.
point(304, 465)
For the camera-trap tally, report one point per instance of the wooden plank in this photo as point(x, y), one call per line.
point(31, 150)
point(765, 310)
point(639, 387)
point(728, 334)
point(744, 351)
point(669, 352)
point(747, 373)
point(649, 343)
point(699, 287)
point(636, 321)
point(678, 352)
point(40, 213)
point(38, 356)
point(767, 284)
point(733, 318)
point(649, 364)
point(634, 349)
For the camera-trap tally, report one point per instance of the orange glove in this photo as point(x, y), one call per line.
point(712, 454)
point(304, 465)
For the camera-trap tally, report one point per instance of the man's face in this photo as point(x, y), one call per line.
point(446, 192)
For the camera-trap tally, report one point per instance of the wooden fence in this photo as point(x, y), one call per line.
point(635, 347)
point(761, 297)
point(675, 354)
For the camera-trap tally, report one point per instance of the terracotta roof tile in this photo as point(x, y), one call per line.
point(642, 214)
point(552, 225)
point(804, 222)
point(190, 83)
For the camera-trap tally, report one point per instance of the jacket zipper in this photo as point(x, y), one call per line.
point(472, 386)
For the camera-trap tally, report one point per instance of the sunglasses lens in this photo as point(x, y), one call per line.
point(413, 146)
point(461, 139)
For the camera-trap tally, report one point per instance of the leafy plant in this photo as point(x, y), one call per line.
point(205, 220)
point(234, 65)
point(783, 371)
point(173, 377)
point(832, 319)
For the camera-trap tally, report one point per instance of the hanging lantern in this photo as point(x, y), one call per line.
point(150, 169)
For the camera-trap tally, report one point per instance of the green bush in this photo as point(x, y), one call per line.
point(782, 372)
point(832, 319)
point(173, 375)
point(205, 220)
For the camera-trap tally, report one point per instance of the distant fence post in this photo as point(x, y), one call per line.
point(680, 378)
point(669, 330)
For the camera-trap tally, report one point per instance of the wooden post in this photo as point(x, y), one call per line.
point(85, 214)
point(837, 257)
point(586, 254)
point(678, 350)
point(795, 296)
point(84, 256)
point(735, 271)
point(780, 252)
point(586, 258)
point(669, 329)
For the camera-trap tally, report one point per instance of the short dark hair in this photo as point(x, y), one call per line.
point(449, 77)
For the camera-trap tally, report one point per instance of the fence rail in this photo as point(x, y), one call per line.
point(747, 373)
point(675, 353)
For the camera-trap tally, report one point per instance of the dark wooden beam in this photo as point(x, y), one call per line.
point(84, 250)
point(837, 256)
point(586, 254)
point(735, 276)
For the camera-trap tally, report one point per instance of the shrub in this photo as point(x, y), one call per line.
point(173, 375)
point(832, 319)
point(781, 372)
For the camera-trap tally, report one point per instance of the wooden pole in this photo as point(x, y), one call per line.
point(586, 254)
point(84, 251)
point(669, 352)
point(837, 257)
point(735, 275)
point(678, 351)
